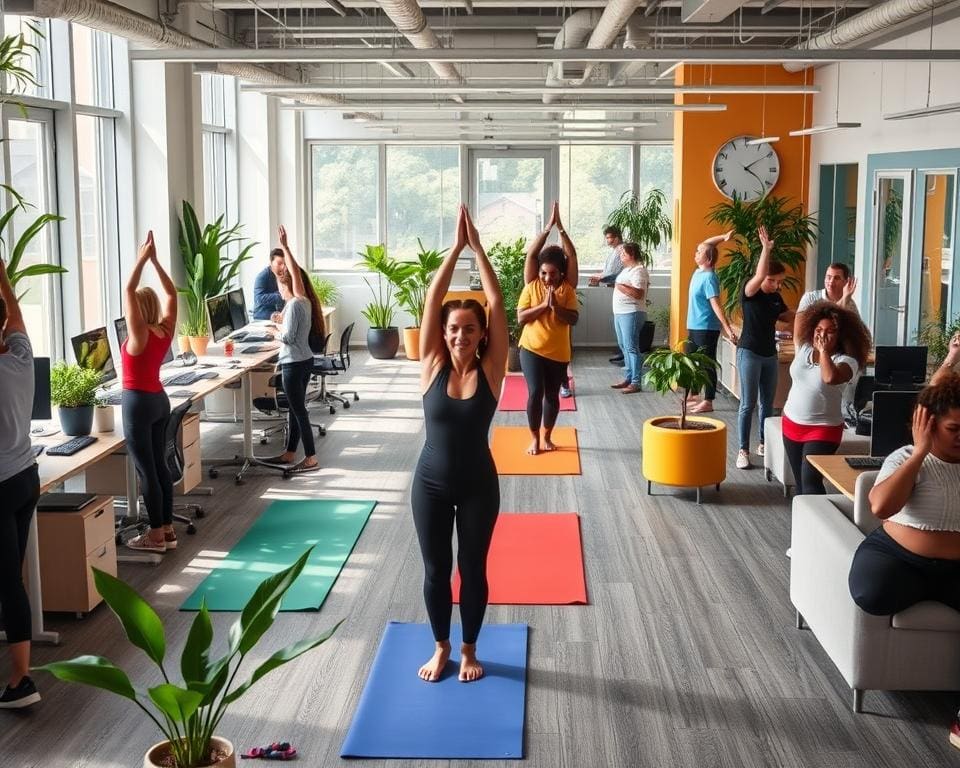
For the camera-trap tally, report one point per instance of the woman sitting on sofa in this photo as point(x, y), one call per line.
point(915, 555)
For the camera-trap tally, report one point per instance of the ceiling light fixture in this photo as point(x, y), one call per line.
point(937, 109)
point(824, 128)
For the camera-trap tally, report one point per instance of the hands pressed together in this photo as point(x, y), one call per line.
point(467, 234)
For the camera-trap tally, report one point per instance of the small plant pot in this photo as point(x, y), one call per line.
point(411, 343)
point(513, 359)
point(158, 755)
point(198, 345)
point(76, 421)
point(383, 343)
point(103, 418)
point(184, 343)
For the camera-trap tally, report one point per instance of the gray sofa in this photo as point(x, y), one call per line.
point(917, 649)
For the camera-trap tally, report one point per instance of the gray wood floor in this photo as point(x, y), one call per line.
point(686, 655)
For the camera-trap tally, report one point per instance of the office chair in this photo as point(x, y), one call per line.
point(334, 365)
point(863, 396)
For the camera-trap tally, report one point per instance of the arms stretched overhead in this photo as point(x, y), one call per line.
point(531, 267)
point(138, 326)
point(293, 269)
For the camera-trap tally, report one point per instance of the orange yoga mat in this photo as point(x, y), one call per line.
point(509, 447)
point(513, 396)
point(534, 560)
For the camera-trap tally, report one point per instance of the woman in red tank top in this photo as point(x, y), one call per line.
point(146, 408)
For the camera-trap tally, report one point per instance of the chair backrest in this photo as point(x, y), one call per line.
point(345, 346)
point(646, 336)
point(863, 517)
point(864, 392)
point(173, 453)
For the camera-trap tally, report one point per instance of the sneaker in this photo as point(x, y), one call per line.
point(743, 459)
point(143, 543)
point(565, 392)
point(303, 467)
point(954, 731)
point(23, 695)
point(170, 539)
point(760, 450)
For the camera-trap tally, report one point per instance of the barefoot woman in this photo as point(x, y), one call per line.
point(456, 480)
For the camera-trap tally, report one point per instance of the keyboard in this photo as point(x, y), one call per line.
point(111, 398)
point(37, 449)
point(208, 375)
point(252, 349)
point(250, 337)
point(72, 445)
point(864, 462)
point(185, 393)
point(184, 379)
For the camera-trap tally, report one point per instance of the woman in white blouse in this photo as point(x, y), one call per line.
point(630, 313)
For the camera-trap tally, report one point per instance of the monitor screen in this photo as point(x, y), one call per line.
point(221, 323)
point(900, 366)
point(92, 350)
point(892, 421)
point(41, 389)
point(238, 309)
point(120, 328)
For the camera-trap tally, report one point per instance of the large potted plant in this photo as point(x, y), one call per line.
point(208, 268)
point(414, 278)
point(383, 337)
point(689, 451)
point(73, 389)
point(188, 714)
point(791, 231)
point(14, 248)
point(643, 221)
point(507, 260)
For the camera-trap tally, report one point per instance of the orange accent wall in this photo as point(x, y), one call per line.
point(696, 138)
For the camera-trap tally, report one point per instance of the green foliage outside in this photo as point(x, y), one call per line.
point(935, 336)
point(188, 714)
point(507, 260)
point(791, 231)
point(680, 372)
point(72, 386)
point(643, 221)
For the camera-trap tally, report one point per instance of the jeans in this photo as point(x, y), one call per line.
point(628, 327)
point(19, 494)
point(296, 377)
point(707, 340)
point(808, 479)
point(757, 374)
point(145, 417)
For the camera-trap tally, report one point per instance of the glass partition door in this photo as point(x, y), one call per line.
point(891, 256)
point(937, 238)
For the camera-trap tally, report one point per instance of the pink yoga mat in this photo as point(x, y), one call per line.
point(513, 396)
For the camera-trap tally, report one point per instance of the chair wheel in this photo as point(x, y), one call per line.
point(191, 529)
point(321, 431)
point(332, 410)
point(346, 404)
point(286, 475)
point(263, 441)
point(200, 513)
point(238, 480)
point(213, 473)
point(356, 398)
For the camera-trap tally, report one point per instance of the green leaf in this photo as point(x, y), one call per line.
point(178, 704)
point(141, 623)
point(194, 659)
point(94, 671)
point(28, 234)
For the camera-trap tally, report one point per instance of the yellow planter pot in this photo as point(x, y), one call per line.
point(689, 458)
point(411, 343)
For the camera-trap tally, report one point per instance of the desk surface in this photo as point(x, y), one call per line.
point(836, 471)
point(55, 469)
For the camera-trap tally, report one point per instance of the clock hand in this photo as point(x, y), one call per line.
point(759, 180)
point(747, 167)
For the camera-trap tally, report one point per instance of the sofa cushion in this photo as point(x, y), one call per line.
point(928, 615)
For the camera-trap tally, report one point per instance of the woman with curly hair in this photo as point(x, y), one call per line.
point(832, 346)
point(915, 554)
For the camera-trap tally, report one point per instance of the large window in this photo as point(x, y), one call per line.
point(92, 67)
point(592, 179)
point(36, 33)
point(656, 172)
point(346, 183)
point(216, 98)
point(423, 192)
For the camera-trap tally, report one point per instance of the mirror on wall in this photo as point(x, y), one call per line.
point(939, 193)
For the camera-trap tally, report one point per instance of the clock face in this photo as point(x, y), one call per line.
point(744, 171)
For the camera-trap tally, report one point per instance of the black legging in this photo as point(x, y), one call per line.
point(543, 377)
point(145, 417)
point(808, 478)
point(885, 578)
point(475, 512)
point(707, 341)
point(19, 494)
point(296, 377)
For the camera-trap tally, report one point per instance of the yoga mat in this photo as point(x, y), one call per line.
point(513, 396)
point(509, 447)
point(275, 541)
point(534, 560)
point(400, 715)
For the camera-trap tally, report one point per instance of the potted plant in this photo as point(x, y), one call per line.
point(643, 221)
point(188, 714)
point(684, 451)
point(328, 293)
point(413, 280)
point(14, 253)
point(209, 270)
point(383, 337)
point(73, 390)
point(791, 231)
point(507, 260)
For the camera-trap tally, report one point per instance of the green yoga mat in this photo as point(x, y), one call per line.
point(274, 542)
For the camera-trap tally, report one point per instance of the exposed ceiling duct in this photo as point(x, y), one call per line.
point(637, 38)
point(872, 21)
point(574, 33)
point(410, 21)
point(615, 16)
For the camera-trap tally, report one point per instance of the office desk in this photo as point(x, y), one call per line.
point(837, 472)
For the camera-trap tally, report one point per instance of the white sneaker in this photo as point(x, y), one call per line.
point(789, 551)
point(743, 459)
point(760, 450)
point(565, 392)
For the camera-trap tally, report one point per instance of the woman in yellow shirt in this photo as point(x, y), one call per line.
point(546, 310)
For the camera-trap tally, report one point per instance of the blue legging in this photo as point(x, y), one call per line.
point(757, 373)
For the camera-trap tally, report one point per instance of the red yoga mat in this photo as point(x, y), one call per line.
point(534, 559)
point(513, 396)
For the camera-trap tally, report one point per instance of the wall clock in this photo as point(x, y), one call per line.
point(745, 171)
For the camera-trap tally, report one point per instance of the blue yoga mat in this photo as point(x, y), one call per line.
point(400, 715)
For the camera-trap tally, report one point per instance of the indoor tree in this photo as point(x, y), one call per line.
point(643, 220)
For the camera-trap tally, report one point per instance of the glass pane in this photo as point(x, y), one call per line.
point(213, 94)
point(592, 179)
point(92, 67)
point(92, 235)
point(345, 184)
point(891, 261)
point(509, 197)
point(214, 175)
point(656, 172)
point(37, 61)
point(423, 193)
point(937, 248)
point(28, 175)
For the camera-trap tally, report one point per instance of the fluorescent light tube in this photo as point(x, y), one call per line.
point(824, 128)
point(937, 109)
point(763, 140)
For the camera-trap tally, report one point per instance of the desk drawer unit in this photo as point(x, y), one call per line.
point(70, 543)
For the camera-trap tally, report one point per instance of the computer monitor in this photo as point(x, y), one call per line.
point(92, 350)
point(41, 390)
point(120, 328)
point(221, 321)
point(900, 367)
point(238, 309)
point(892, 421)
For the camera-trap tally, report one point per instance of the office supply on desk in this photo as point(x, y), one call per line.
point(900, 368)
point(111, 397)
point(63, 502)
point(92, 350)
point(238, 308)
point(181, 393)
point(252, 350)
point(37, 449)
point(251, 337)
point(120, 329)
point(71, 446)
point(221, 321)
point(864, 462)
point(184, 379)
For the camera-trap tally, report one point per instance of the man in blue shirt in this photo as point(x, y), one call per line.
point(266, 294)
point(611, 269)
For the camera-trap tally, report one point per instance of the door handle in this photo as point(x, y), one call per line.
point(898, 309)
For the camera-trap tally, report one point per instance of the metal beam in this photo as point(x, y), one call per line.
point(770, 5)
point(505, 88)
point(510, 5)
point(508, 107)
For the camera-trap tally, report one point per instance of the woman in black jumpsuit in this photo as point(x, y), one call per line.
point(464, 359)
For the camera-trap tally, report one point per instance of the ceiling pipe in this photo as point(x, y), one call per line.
point(637, 38)
point(880, 18)
point(614, 17)
point(574, 32)
point(412, 24)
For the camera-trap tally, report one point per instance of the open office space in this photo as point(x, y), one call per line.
point(307, 463)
